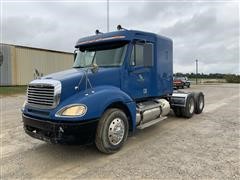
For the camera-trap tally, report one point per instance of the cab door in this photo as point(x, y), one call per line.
point(137, 82)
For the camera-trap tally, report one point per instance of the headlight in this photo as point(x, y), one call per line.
point(73, 110)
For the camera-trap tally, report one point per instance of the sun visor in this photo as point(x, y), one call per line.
point(100, 40)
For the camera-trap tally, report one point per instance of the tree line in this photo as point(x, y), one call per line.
point(231, 78)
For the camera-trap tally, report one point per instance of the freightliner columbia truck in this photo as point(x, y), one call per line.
point(120, 81)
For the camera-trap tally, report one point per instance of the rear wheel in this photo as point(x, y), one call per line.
point(188, 110)
point(199, 102)
point(112, 131)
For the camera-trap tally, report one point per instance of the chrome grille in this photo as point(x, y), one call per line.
point(41, 95)
point(44, 93)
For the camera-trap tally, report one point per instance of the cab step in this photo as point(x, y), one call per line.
point(150, 123)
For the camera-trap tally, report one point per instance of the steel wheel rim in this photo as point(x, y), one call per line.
point(116, 131)
point(191, 106)
point(200, 102)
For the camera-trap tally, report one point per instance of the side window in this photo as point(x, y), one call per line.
point(148, 55)
point(137, 56)
point(142, 55)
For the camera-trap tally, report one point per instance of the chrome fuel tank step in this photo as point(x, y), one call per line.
point(149, 111)
point(150, 123)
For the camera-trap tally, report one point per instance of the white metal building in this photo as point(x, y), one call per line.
point(22, 64)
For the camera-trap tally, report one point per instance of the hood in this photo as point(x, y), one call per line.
point(71, 78)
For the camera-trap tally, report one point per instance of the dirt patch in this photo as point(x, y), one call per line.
point(203, 147)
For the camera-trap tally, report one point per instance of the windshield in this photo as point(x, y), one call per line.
point(103, 57)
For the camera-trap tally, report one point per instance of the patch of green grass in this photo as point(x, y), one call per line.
point(232, 78)
point(207, 81)
point(10, 90)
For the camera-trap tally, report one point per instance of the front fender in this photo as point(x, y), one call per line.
point(97, 102)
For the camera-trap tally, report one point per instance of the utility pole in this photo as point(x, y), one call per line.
point(196, 71)
point(107, 15)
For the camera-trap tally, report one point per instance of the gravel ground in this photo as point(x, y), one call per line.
point(206, 146)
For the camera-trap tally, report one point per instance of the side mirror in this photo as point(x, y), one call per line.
point(94, 68)
point(1, 58)
point(74, 55)
point(148, 55)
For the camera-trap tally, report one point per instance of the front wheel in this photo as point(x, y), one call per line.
point(112, 131)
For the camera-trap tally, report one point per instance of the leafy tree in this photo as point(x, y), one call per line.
point(230, 78)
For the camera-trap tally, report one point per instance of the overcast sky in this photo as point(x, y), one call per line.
point(208, 31)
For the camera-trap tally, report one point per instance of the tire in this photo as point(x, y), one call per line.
point(199, 102)
point(177, 111)
point(106, 139)
point(189, 109)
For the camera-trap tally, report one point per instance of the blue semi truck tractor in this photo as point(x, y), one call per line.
point(120, 81)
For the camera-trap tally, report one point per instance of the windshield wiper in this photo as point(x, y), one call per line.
point(105, 66)
point(78, 67)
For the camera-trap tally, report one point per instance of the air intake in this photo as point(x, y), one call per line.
point(44, 93)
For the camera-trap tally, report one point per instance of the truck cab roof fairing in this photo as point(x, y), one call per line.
point(122, 35)
point(104, 38)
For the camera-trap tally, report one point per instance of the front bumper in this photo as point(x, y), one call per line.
point(60, 132)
